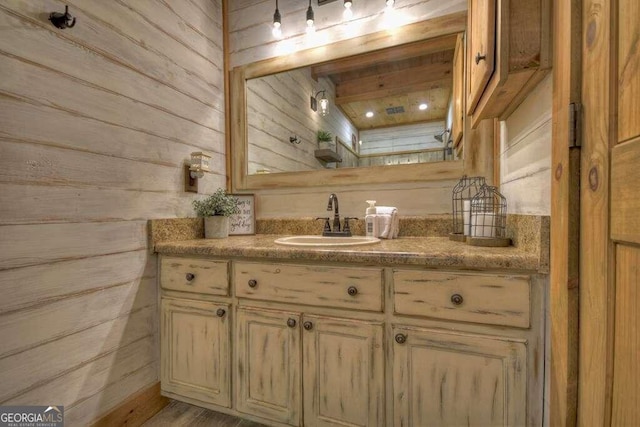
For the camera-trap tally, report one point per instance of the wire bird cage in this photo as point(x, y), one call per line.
point(488, 217)
point(463, 191)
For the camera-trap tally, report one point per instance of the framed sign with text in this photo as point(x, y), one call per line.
point(245, 221)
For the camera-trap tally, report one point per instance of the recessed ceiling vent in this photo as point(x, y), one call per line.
point(395, 110)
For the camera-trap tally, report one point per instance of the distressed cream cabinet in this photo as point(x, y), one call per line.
point(445, 378)
point(195, 331)
point(328, 369)
point(508, 54)
point(321, 345)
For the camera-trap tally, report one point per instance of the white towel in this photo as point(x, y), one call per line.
point(388, 223)
point(385, 222)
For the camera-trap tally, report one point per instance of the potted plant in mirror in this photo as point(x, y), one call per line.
point(216, 210)
point(325, 139)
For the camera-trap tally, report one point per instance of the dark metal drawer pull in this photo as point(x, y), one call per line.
point(190, 277)
point(221, 312)
point(291, 322)
point(480, 58)
point(253, 283)
point(457, 299)
point(401, 338)
point(353, 291)
point(308, 326)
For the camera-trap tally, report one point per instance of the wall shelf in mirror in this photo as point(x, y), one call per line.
point(254, 106)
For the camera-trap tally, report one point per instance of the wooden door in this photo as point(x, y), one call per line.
point(454, 379)
point(268, 371)
point(609, 379)
point(481, 49)
point(343, 371)
point(195, 337)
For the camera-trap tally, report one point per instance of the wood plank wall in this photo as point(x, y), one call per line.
point(525, 154)
point(278, 107)
point(96, 123)
point(250, 40)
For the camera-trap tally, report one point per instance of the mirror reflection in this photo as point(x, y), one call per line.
point(388, 107)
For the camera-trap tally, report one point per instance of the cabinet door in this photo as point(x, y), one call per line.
point(196, 350)
point(343, 369)
point(268, 357)
point(453, 379)
point(481, 49)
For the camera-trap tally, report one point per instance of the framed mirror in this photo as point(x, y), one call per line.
point(272, 108)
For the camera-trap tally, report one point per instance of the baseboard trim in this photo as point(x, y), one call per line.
point(137, 409)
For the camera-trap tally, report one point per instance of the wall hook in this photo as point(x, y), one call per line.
point(294, 140)
point(62, 20)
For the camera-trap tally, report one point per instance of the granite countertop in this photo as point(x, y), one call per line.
point(418, 251)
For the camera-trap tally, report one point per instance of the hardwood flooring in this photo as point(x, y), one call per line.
point(178, 414)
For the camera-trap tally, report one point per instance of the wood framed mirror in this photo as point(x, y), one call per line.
point(441, 31)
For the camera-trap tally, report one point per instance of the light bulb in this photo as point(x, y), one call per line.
point(369, 114)
point(422, 106)
point(324, 107)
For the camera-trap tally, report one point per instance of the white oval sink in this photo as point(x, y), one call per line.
point(326, 241)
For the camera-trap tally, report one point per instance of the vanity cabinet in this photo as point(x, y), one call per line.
point(352, 345)
point(508, 54)
point(336, 364)
point(196, 350)
point(268, 374)
point(452, 379)
point(443, 378)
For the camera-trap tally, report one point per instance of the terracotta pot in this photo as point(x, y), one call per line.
point(216, 227)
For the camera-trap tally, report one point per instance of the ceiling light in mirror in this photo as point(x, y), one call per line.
point(422, 107)
point(369, 114)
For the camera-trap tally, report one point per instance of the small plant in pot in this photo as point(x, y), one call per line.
point(325, 139)
point(216, 210)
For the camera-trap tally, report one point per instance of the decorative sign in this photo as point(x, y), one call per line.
point(245, 221)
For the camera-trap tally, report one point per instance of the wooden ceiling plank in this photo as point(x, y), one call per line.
point(411, 50)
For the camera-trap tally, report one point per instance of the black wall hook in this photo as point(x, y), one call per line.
point(62, 20)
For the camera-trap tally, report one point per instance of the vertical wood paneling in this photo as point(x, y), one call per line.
point(626, 388)
point(596, 250)
point(95, 126)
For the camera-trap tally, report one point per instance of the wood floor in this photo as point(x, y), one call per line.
point(180, 414)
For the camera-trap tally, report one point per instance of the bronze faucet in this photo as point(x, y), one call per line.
point(333, 204)
point(336, 232)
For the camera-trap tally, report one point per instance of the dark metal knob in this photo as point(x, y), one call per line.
point(307, 325)
point(401, 338)
point(457, 299)
point(353, 291)
point(221, 312)
point(253, 283)
point(291, 322)
point(190, 277)
point(480, 58)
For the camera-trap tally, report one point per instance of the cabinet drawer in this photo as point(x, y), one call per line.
point(356, 288)
point(194, 275)
point(478, 298)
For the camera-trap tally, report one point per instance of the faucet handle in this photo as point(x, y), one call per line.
point(327, 226)
point(346, 228)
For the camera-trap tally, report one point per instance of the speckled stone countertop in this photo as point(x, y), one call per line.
point(419, 251)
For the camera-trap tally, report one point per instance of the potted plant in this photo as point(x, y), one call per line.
point(216, 210)
point(325, 139)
